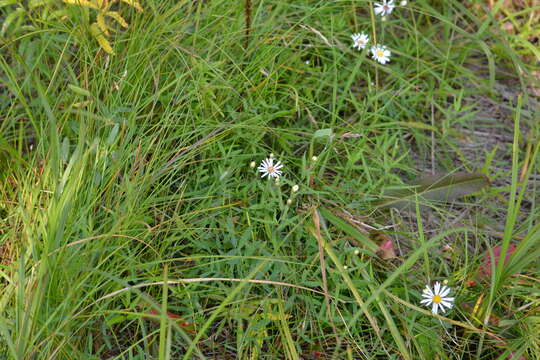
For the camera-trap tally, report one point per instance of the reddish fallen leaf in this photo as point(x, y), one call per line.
point(153, 315)
point(512, 356)
point(386, 250)
point(485, 268)
point(170, 315)
point(386, 245)
point(494, 320)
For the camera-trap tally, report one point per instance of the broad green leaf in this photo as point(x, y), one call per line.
point(441, 188)
point(348, 229)
point(322, 133)
point(113, 134)
point(79, 91)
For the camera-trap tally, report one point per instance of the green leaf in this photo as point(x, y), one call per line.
point(10, 19)
point(322, 133)
point(348, 229)
point(113, 134)
point(442, 188)
point(79, 91)
point(7, 2)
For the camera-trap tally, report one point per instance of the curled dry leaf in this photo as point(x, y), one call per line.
point(434, 188)
point(349, 135)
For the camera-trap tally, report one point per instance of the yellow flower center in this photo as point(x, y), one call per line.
point(436, 299)
point(360, 42)
point(380, 53)
point(270, 169)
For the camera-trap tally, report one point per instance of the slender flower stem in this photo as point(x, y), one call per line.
point(374, 37)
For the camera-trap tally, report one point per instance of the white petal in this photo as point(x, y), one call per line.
point(425, 301)
point(447, 304)
point(449, 299)
point(444, 291)
point(436, 288)
point(434, 308)
point(428, 291)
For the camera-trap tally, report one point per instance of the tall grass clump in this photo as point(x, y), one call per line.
point(134, 222)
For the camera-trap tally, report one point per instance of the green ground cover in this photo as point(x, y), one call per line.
point(133, 224)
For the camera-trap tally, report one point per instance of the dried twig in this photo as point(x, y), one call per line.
point(247, 8)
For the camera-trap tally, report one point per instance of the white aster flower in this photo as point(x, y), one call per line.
point(268, 167)
point(438, 298)
point(380, 53)
point(384, 8)
point(360, 40)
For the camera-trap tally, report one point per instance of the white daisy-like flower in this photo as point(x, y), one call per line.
point(384, 8)
point(438, 298)
point(380, 53)
point(360, 40)
point(268, 167)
